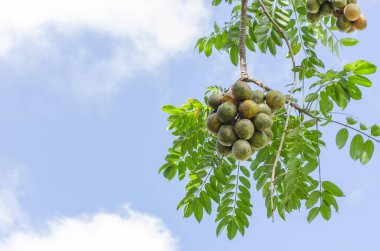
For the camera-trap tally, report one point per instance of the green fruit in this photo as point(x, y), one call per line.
point(226, 135)
point(241, 150)
point(313, 17)
point(339, 4)
point(223, 150)
point(326, 9)
point(244, 129)
point(258, 96)
point(215, 99)
point(269, 134)
point(241, 90)
point(275, 99)
point(351, 1)
point(262, 122)
point(226, 112)
point(264, 108)
point(248, 109)
point(259, 140)
point(213, 123)
point(343, 24)
point(312, 6)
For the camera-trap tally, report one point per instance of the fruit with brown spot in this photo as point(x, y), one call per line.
point(241, 90)
point(226, 135)
point(241, 150)
point(213, 123)
point(244, 129)
point(248, 109)
point(275, 99)
point(226, 112)
point(215, 99)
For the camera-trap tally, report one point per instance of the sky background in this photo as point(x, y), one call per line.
point(82, 135)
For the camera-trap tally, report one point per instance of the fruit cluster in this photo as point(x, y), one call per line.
point(348, 13)
point(242, 119)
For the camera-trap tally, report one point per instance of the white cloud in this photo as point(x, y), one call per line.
point(104, 231)
point(11, 214)
point(354, 197)
point(142, 36)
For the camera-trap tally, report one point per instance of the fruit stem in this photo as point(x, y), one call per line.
point(242, 38)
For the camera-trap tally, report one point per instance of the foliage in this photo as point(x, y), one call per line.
point(224, 184)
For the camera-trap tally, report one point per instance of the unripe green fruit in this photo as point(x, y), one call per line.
point(226, 112)
point(213, 123)
point(244, 129)
point(351, 1)
point(326, 9)
point(226, 135)
point(339, 4)
point(264, 108)
point(269, 134)
point(275, 99)
point(223, 150)
point(215, 99)
point(241, 150)
point(241, 90)
point(258, 96)
point(259, 140)
point(343, 24)
point(313, 17)
point(248, 109)
point(262, 122)
point(312, 6)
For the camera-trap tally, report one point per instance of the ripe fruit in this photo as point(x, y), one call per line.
point(262, 122)
point(258, 140)
point(244, 129)
point(343, 24)
point(361, 23)
point(339, 4)
point(226, 135)
point(275, 99)
point(241, 150)
point(212, 123)
point(352, 12)
point(215, 99)
point(258, 96)
point(326, 9)
point(223, 150)
point(241, 91)
point(248, 109)
point(226, 112)
point(312, 6)
point(264, 108)
point(313, 17)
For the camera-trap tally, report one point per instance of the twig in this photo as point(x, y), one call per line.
point(242, 38)
point(289, 101)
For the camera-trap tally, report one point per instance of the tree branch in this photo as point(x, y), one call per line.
point(289, 101)
point(242, 38)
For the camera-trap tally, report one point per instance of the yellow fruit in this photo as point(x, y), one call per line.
point(248, 109)
point(275, 99)
point(352, 12)
point(361, 23)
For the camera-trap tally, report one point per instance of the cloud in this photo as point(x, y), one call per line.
point(93, 45)
point(11, 213)
point(103, 231)
point(354, 197)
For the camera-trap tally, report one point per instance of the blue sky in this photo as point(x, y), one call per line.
point(82, 134)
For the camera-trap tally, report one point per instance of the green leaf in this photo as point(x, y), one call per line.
point(312, 214)
point(341, 138)
point(198, 210)
point(206, 201)
point(231, 229)
point(356, 146)
point(375, 130)
point(222, 224)
point(216, 2)
point(367, 152)
point(332, 189)
point(208, 48)
point(234, 54)
point(360, 80)
point(351, 121)
point(349, 41)
point(365, 68)
point(325, 211)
